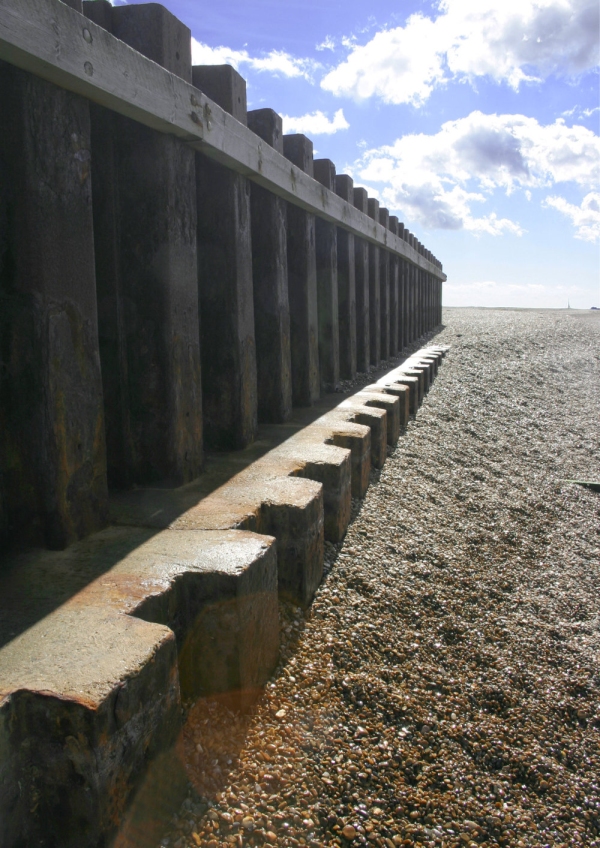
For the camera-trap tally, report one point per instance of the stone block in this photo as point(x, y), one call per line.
point(91, 689)
point(391, 404)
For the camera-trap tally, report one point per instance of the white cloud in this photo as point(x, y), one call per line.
point(439, 178)
point(315, 123)
point(276, 62)
point(585, 218)
point(327, 44)
point(514, 42)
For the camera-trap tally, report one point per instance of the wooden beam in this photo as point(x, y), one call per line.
point(53, 41)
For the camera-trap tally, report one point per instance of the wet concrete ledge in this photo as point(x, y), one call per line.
point(177, 598)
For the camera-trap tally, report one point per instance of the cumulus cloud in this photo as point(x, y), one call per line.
point(585, 218)
point(513, 42)
point(315, 123)
point(277, 62)
point(440, 178)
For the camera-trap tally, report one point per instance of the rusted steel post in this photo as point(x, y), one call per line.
point(361, 265)
point(229, 385)
point(52, 450)
point(346, 270)
point(327, 286)
point(384, 290)
point(302, 283)
point(270, 284)
point(374, 291)
point(146, 264)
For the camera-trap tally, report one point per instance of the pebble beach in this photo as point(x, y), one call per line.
point(443, 688)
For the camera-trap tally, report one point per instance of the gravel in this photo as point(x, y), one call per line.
point(443, 688)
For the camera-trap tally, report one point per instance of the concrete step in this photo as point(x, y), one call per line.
point(101, 643)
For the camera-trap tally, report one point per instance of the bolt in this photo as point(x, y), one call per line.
point(87, 35)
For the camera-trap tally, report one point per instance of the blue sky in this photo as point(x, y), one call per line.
point(475, 121)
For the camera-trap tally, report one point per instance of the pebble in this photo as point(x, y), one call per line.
point(454, 644)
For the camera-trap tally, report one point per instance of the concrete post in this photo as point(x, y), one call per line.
point(229, 385)
point(374, 291)
point(361, 265)
point(327, 286)
point(384, 289)
point(394, 286)
point(146, 263)
point(270, 283)
point(346, 269)
point(52, 451)
point(302, 283)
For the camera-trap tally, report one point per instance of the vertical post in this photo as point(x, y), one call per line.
point(302, 283)
point(145, 226)
point(374, 291)
point(225, 279)
point(401, 293)
point(394, 286)
point(361, 265)
point(384, 289)
point(418, 292)
point(409, 293)
point(327, 285)
point(268, 214)
point(52, 451)
point(346, 270)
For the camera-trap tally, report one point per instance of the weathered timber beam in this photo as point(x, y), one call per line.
point(57, 43)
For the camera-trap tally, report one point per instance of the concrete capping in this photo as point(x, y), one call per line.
point(178, 598)
point(44, 37)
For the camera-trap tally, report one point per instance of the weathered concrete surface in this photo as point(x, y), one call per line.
point(99, 643)
point(229, 382)
point(397, 390)
point(53, 486)
point(374, 291)
point(97, 690)
point(302, 284)
point(270, 283)
point(146, 266)
point(361, 265)
point(327, 286)
point(346, 272)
